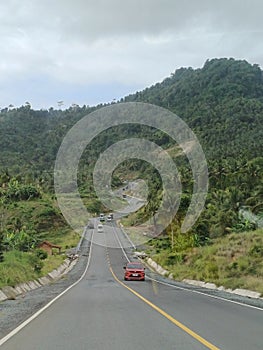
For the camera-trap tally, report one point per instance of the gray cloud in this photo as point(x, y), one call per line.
point(130, 43)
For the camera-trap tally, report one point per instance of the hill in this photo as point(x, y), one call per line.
point(221, 102)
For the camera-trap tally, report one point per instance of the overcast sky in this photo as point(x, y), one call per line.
point(93, 51)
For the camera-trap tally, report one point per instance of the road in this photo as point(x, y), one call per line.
point(104, 312)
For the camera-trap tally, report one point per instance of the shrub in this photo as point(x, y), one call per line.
point(256, 251)
point(36, 263)
point(41, 254)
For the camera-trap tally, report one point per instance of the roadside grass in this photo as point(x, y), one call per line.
point(64, 237)
point(16, 268)
point(234, 261)
point(19, 267)
point(43, 219)
point(51, 263)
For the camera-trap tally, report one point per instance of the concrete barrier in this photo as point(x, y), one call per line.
point(25, 287)
point(2, 296)
point(10, 293)
point(194, 282)
point(246, 293)
point(44, 280)
point(210, 286)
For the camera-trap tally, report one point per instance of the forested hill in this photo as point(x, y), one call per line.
point(222, 102)
point(29, 139)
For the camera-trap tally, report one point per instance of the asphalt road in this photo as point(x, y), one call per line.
point(103, 312)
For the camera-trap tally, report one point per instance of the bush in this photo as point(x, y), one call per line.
point(36, 263)
point(256, 251)
point(41, 254)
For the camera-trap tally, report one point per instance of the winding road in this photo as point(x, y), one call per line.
point(103, 312)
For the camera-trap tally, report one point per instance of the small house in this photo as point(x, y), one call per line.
point(48, 247)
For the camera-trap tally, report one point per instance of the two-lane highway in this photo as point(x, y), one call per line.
point(226, 324)
point(103, 312)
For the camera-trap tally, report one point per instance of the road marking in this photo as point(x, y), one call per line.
point(155, 307)
point(195, 291)
point(169, 317)
point(35, 315)
point(117, 237)
point(205, 294)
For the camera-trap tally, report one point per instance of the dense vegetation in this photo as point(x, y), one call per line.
point(221, 102)
point(28, 217)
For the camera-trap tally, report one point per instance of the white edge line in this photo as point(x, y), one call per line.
point(208, 295)
point(192, 290)
point(35, 315)
point(116, 235)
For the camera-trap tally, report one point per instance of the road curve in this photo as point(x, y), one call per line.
point(102, 313)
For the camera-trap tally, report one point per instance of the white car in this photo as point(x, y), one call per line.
point(102, 217)
point(100, 228)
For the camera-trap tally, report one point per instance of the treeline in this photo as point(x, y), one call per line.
point(221, 102)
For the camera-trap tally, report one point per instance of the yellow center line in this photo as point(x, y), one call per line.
point(165, 314)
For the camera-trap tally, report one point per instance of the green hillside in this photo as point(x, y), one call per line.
point(221, 102)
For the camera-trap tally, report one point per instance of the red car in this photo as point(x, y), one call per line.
point(134, 271)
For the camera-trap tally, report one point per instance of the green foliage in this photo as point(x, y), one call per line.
point(256, 251)
point(234, 261)
point(222, 103)
point(15, 191)
point(36, 262)
point(41, 254)
point(16, 268)
point(22, 240)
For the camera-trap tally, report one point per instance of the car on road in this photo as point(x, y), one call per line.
point(102, 217)
point(100, 228)
point(109, 218)
point(134, 271)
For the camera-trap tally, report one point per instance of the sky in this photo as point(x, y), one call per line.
point(95, 51)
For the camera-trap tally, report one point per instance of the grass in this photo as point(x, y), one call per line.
point(16, 268)
point(51, 263)
point(42, 218)
point(234, 261)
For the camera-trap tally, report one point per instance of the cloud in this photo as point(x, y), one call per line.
point(130, 43)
